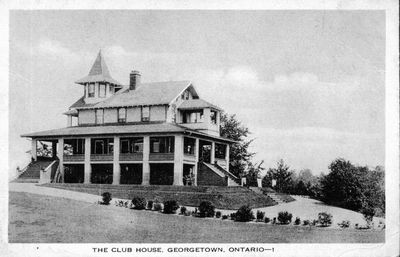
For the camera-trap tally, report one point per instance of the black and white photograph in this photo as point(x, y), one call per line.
point(201, 131)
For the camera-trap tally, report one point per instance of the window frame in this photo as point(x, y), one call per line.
point(121, 120)
point(143, 118)
point(91, 94)
point(102, 89)
point(97, 117)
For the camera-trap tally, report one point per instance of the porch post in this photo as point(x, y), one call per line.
point(116, 167)
point(61, 157)
point(146, 165)
point(227, 157)
point(212, 154)
point(34, 149)
point(54, 149)
point(196, 157)
point(88, 168)
point(178, 161)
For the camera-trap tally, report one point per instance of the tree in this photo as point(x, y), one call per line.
point(282, 175)
point(240, 157)
point(254, 172)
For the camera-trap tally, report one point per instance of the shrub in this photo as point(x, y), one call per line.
point(170, 206)
point(297, 221)
point(139, 203)
point(314, 222)
point(182, 211)
point(325, 219)
point(233, 216)
point(224, 217)
point(267, 220)
point(274, 221)
point(344, 224)
point(150, 205)
point(106, 198)
point(244, 214)
point(218, 214)
point(206, 209)
point(260, 215)
point(157, 206)
point(306, 222)
point(284, 217)
point(187, 213)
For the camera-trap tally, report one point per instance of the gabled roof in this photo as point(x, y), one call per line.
point(196, 104)
point(156, 93)
point(98, 73)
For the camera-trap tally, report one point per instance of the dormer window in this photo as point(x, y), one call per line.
point(145, 113)
point(90, 90)
point(102, 90)
point(213, 117)
point(121, 115)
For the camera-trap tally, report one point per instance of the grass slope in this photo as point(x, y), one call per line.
point(45, 219)
point(222, 197)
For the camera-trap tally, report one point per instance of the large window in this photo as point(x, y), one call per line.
point(102, 90)
point(99, 116)
point(90, 90)
point(145, 113)
point(74, 146)
point(132, 145)
point(122, 115)
point(162, 144)
point(102, 146)
point(189, 145)
point(192, 116)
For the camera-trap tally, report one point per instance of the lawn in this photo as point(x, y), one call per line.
point(45, 219)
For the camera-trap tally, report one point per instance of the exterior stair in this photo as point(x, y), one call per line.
point(31, 173)
point(275, 197)
point(221, 172)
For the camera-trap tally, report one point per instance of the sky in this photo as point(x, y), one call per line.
point(309, 85)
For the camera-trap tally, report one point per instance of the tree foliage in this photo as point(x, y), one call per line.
point(240, 156)
point(282, 175)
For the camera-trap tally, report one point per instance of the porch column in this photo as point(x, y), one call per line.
point(212, 154)
point(54, 149)
point(61, 157)
point(196, 157)
point(146, 165)
point(88, 168)
point(178, 161)
point(34, 149)
point(227, 157)
point(116, 167)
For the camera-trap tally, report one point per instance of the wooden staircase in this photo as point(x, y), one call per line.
point(31, 173)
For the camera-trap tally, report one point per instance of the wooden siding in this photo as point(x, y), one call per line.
point(161, 157)
point(131, 157)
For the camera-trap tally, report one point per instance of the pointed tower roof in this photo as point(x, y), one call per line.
point(98, 73)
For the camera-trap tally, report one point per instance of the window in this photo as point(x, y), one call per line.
point(213, 117)
point(189, 145)
point(122, 115)
point(99, 116)
point(193, 116)
point(90, 90)
point(145, 113)
point(132, 145)
point(161, 144)
point(102, 146)
point(111, 89)
point(102, 90)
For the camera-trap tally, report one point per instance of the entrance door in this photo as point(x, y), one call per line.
point(204, 151)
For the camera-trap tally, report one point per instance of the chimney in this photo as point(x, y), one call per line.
point(134, 80)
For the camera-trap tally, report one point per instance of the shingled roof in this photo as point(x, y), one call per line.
point(98, 73)
point(196, 104)
point(155, 93)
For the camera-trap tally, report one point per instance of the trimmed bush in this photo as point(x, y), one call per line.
point(267, 220)
point(106, 198)
point(244, 214)
point(170, 206)
point(224, 217)
point(260, 215)
point(324, 219)
point(139, 203)
point(274, 221)
point(233, 216)
point(150, 205)
point(306, 222)
point(284, 217)
point(344, 224)
point(206, 209)
point(297, 221)
point(218, 214)
point(157, 206)
point(182, 210)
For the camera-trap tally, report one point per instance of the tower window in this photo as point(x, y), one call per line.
point(102, 90)
point(99, 116)
point(122, 115)
point(213, 117)
point(91, 90)
point(145, 113)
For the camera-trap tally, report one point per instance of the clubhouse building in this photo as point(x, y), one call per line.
point(158, 133)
